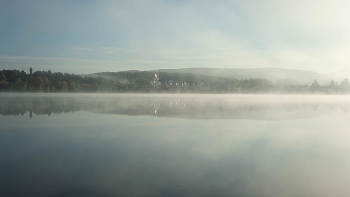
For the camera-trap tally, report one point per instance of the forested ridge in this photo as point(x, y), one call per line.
point(145, 82)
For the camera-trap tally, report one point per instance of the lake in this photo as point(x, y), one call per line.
point(174, 145)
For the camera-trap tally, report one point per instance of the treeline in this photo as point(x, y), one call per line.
point(140, 82)
point(47, 81)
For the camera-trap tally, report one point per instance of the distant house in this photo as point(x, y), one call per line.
point(201, 84)
point(125, 82)
point(156, 82)
point(177, 84)
point(171, 82)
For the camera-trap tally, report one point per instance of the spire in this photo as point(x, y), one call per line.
point(31, 72)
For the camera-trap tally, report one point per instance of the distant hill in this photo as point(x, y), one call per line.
point(340, 75)
point(132, 75)
point(273, 74)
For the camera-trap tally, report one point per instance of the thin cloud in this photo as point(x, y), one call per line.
point(83, 49)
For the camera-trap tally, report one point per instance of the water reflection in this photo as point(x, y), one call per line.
point(218, 146)
point(191, 107)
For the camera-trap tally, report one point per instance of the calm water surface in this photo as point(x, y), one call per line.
point(174, 145)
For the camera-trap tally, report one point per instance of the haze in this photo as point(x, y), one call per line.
point(174, 98)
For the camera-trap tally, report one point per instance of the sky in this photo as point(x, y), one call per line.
point(86, 36)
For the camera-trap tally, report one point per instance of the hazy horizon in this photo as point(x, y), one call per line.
point(161, 69)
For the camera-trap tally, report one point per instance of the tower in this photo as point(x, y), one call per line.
point(31, 72)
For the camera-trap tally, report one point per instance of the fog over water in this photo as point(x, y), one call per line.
point(190, 106)
point(174, 145)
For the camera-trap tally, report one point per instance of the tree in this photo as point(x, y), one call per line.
point(100, 80)
point(345, 85)
point(64, 86)
point(315, 85)
point(38, 83)
point(142, 82)
point(332, 84)
point(72, 86)
point(3, 78)
point(46, 84)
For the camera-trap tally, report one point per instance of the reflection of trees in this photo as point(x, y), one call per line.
point(332, 107)
point(344, 107)
point(162, 107)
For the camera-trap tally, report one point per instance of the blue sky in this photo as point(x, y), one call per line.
point(85, 36)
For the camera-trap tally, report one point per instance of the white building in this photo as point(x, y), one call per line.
point(125, 82)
